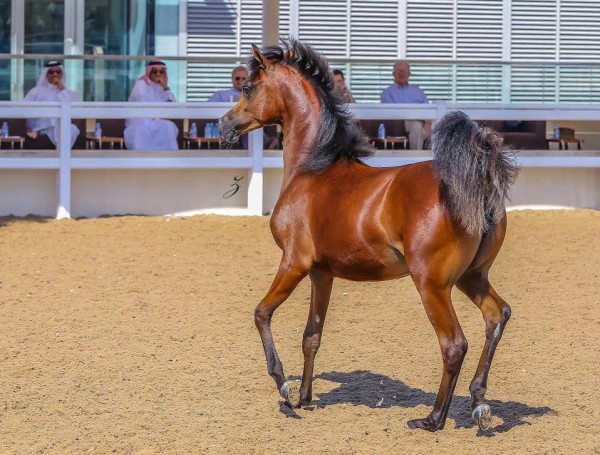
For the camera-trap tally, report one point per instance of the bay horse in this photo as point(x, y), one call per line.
point(442, 221)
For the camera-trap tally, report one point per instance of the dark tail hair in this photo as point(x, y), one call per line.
point(475, 168)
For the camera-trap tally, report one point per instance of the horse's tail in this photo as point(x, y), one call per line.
point(476, 171)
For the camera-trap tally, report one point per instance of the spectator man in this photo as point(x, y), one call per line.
point(49, 87)
point(233, 94)
point(340, 87)
point(151, 133)
point(403, 92)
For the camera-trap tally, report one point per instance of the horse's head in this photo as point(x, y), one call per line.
point(291, 84)
point(261, 103)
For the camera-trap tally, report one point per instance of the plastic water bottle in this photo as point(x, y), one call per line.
point(556, 132)
point(215, 131)
point(98, 131)
point(208, 131)
point(193, 132)
point(4, 129)
point(381, 131)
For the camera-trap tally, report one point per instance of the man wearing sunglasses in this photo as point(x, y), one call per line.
point(151, 133)
point(233, 94)
point(41, 132)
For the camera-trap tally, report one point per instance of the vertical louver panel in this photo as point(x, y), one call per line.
point(373, 28)
point(225, 28)
point(324, 25)
point(284, 18)
point(203, 79)
point(478, 84)
point(579, 84)
point(534, 27)
point(580, 30)
point(579, 41)
point(367, 81)
point(430, 29)
point(251, 15)
point(435, 80)
point(479, 29)
point(534, 30)
point(533, 84)
point(212, 28)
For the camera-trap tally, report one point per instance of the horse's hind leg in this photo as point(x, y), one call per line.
point(319, 302)
point(453, 344)
point(284, 283)
point(496, 313)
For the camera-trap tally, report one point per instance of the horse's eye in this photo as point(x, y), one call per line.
point(247, 88)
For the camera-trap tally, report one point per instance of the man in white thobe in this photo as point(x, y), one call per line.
point(151, 133)
point(50, 87)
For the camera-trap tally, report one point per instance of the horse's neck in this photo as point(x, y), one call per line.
point(300, 131)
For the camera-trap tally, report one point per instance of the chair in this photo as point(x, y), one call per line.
point(566, 136)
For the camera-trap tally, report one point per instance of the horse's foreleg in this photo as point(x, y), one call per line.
point(453, 345)
point(283, 285)
point(496, 313)
point(319, 301)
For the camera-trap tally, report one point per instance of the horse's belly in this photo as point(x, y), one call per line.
point(364, 266)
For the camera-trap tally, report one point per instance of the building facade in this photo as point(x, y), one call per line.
point(494, 51)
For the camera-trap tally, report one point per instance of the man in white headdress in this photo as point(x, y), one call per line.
point(50, 87)
point(151, 133)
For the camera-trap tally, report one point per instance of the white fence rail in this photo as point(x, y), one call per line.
point(255, 160)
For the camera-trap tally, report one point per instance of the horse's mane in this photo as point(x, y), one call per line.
point(340, 136)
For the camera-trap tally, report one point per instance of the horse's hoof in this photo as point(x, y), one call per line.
point(423, 424)
point(482, 416)
point(290, 391)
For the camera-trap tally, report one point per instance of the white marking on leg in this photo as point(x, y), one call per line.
point(497, 331)
point(284, 391)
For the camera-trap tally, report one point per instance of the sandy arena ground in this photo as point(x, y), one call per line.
point(135, 335)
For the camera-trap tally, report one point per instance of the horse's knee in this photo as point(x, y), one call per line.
point(262, 315)
point(454, 352)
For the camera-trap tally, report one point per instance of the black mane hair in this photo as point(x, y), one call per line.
point(340, 136)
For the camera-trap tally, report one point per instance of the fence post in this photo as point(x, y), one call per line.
point(255, 175)
point(64, 155)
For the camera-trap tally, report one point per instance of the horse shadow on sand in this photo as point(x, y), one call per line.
point(364, 388)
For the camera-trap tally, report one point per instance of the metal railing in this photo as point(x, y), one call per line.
point(255, 160)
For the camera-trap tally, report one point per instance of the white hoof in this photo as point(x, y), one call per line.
point(482, 416)
point(290, 392)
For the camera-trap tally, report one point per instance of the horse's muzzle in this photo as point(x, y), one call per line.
point(228, 130)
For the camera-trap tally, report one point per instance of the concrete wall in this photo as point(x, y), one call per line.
point(194, 191)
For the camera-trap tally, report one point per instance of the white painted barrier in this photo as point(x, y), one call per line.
point(92, 183)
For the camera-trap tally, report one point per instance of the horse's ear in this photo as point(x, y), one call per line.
point(259, 57)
